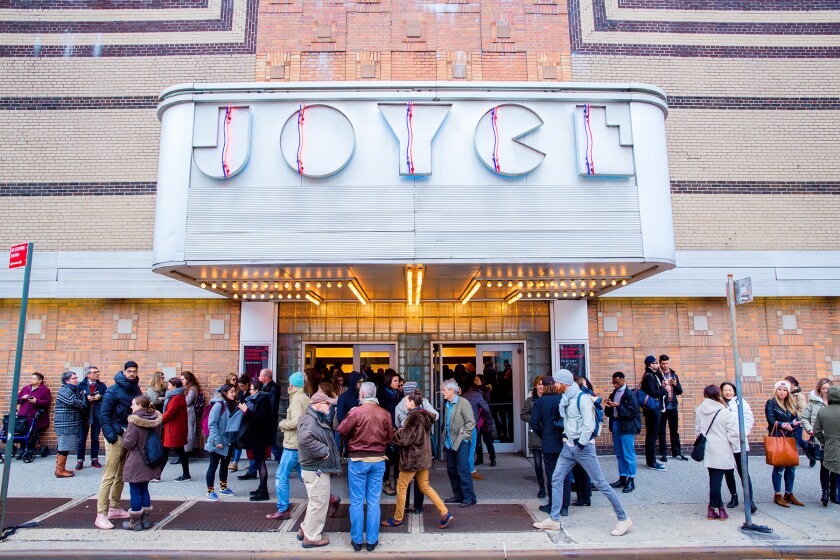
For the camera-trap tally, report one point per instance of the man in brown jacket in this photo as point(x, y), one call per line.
point(367, 429)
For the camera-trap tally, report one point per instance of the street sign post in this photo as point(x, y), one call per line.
point(734, 297)
point(19, 256)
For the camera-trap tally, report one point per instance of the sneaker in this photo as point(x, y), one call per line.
point(227, 492)
point(118, 513)
point(212, 496)
point(155, 480)
point(391, 522)
point(663, 458)
point(657, 467)
point(681, 457)
point(102, 522)
point(182, 478)
point(247, 476)
point(233, 467)
point(96, 464)
point(445, 520)
point(548, 524)
point(80, 465)
point(621, 527)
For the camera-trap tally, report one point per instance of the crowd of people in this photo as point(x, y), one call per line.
point(380, 426)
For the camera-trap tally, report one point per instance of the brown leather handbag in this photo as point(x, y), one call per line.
point(781, 451)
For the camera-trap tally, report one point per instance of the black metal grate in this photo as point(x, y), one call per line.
point(242, 516)
point(82, 516)
point(21, 510)
point(341, 522)
point(480, 518)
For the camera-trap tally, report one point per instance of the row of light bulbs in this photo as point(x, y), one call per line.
point(574, 284)
point(310, 296)
point(265, 285)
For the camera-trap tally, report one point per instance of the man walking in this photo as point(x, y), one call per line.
point(622, 409)
point(652, 409)
point(670, 416)
point(116, 407)
point(578, 412)
point(92, 390)
point(298, 401)
point(367, 429)
point(319, 460)
point(458, 429)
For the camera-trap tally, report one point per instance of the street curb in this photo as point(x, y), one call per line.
point(768, 550)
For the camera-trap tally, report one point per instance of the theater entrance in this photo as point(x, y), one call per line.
point(350, 356)
point(502, 367)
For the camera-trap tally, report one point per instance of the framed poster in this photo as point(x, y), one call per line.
point(573, 358)
point(256, 358)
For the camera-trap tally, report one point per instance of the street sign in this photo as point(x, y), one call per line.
point(743, 291)
point(17, 255)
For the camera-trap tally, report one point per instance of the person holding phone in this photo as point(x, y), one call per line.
point(780, 411)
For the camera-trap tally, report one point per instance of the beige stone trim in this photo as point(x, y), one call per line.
point(764, 77)
point(756, 222)
point(82, 145)
point(235, 35)
point(212, 11)
point(589, 35)
point(634, 14)
point(80, 223)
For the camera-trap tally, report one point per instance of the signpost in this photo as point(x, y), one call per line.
point(19, 256)
point(738, 292)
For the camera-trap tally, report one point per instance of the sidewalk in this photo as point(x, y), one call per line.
point(668, 510)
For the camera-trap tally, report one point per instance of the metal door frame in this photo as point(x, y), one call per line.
point(383, 345)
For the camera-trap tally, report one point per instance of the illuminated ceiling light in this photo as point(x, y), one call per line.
point(624, 282)
point(489, 284)
point(539, 294)
point(317, 284)
point(253, 296)
point(277, 285)
point(472, 288)
point(262, 296)
point(551, 284)
point(235, 296)
point(297, 285)
point(528, 294)
point(306, 285)
point(521, 283)
point(235, 286)
point(203, 285)
point(297, 296)
point(565, 294)
point(288, 296)
point(409, 285)
point(254, 285)
point(265, 285)
point(612, 283)
point(591, 294)
point(418, 289)
point(213, 285)
point(574, 294)
point(270, 296)
point(574, 284)
point(562, 283)
point(556, 294)
point(329, 284)
point(513, 297)
point(603, 282)
point(510, 284)
point(530, 283)
point(542, 284)
point(287, 285)
point(358, 292)
point(592, 283)
point(224, 285)
point(338, 284)
point(499, 284)
point(314, 298)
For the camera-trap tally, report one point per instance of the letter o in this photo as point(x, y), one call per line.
point(317, 141)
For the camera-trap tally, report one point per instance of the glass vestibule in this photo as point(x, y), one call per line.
point(350, 356)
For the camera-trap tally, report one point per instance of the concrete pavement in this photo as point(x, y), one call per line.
point(668, 510)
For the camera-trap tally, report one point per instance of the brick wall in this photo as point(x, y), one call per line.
point(164, 333)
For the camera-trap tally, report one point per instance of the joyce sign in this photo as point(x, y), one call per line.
point(318, 140)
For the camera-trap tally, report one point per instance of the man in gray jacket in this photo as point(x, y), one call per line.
point(578, 412)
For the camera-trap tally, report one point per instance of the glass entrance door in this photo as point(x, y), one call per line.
point(503, 369)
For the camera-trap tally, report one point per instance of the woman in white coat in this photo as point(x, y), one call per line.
point(733, 401)
point(713, 419)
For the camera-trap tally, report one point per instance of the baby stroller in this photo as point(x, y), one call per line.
point(26, 436)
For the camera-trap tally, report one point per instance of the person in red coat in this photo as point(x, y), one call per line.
point(175, 425)
point(34, 397)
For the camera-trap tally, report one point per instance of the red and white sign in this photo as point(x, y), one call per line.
point(18, 255)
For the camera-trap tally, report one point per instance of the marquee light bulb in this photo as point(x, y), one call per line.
point(203, 285)
point(624, 282)
point(317, 284)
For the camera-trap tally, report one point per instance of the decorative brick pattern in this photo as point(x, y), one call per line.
point(744, 5)
point(755, 187)
point(77, 189)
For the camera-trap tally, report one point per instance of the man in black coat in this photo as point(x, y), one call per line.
point(670, 416)
point(652, 387)
point(116, 406)
point(93, 392)
point(625, 416)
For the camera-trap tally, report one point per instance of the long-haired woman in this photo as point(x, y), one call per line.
point(733, 401)
point(157, 390)
point(534, 442)
point(192, 388)
point(780, 411)
point(817, 400)
point(175, 425)
point(218, 443)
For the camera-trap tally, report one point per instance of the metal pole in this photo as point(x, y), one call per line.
point(745, 468)
point(24, 302)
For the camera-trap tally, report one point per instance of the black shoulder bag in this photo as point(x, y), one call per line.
point(699, 451)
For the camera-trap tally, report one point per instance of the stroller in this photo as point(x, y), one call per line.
point(26, 435)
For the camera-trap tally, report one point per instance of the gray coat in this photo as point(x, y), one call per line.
point(315, 441)
point(69, 405)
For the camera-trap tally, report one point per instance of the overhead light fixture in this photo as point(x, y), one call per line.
point(409, 284)
point(357, 290)
point(314, 298)
point(224, 285)
point(624, 282)
point(513, 297)
point(413, 283)
point(203, 285)
point(418, 285)
point(235, 296)
point(472, 288)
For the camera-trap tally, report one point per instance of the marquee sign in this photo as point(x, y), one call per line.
point(318, 140)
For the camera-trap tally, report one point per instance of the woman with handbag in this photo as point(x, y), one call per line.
point(717, 429)
point(733, 401)
point(817, 400)
point(782, 423)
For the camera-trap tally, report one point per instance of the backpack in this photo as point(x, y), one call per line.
point(598, 410)
point(205, 421)
point(155, 455)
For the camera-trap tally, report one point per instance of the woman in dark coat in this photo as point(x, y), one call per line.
point(258, 435)
point(534, 442)
point(780, 411)
point(32, 398)
point(389, 396)
point(176, 425)
point(543, 416)
point(142, 420)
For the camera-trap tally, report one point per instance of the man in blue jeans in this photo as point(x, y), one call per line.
point(367, 429)
point(578, 412)
point(458, 429)
point(298, 403)
point(625, 419)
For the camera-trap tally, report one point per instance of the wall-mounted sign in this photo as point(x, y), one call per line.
point(573, 358)
point(18, 254)
point(256, 358)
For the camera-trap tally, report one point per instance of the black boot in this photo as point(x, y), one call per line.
point(733, 503)
point(541, 493)
point(630, 486)
point(824, 498)
point(261, 495)
point(620, 483)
